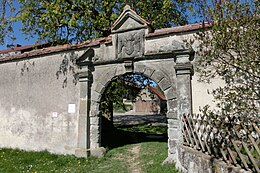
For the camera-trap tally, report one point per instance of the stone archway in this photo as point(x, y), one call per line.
point(132, 50)
point(163, 81)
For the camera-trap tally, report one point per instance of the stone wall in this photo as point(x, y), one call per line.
point(192, 161)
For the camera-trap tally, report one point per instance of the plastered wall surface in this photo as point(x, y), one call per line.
point(201, 93)
point(34, 106)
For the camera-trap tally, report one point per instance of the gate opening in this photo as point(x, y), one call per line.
point(133, 110)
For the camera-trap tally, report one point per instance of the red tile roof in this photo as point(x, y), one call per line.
point(157, 92)
point(26, 48)
point(45, 48)
point(180, 29)
point(33, 50)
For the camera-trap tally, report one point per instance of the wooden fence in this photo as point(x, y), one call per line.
point(232, 141)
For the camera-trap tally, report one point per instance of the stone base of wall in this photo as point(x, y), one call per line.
point(95, 152)
point(193, 161)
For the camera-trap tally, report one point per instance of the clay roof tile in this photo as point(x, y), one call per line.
point(157, 92)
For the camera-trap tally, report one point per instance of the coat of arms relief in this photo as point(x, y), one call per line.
point(130, 44)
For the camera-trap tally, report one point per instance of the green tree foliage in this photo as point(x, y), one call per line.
point(231, 51)
point(73, 21)
point(6, 14)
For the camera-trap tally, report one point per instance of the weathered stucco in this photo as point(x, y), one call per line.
point(34, 106)
point(201, 93)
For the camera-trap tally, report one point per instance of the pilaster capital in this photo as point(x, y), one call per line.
point(182, 59)
point(129, 66)
point(83, 79)
point(183, 64)
point(184, 68)
point(84, 74)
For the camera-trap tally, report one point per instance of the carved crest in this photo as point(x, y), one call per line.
point(128, 31)
point(130, 44)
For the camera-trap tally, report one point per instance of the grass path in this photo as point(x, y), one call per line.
point(131, 158)
point(146, 158)
point(134, 162)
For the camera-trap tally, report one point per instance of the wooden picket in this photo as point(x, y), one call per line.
point(235, 143)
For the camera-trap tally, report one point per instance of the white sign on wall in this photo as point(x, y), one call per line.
point(54, 114)
point(71, 108)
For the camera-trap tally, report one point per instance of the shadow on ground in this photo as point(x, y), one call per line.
point(131, 129)
point(117, 138)
point(121, 119)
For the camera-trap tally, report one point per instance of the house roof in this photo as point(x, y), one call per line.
point(46, 48)
point(157, 92)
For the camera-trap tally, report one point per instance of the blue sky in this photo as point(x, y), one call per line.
point(23, 40)
point(20, 37)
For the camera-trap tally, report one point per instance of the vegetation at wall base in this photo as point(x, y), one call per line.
point(151, 158)
point(17, 161)
point(152, 154)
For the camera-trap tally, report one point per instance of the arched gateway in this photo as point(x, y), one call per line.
point(134, 47)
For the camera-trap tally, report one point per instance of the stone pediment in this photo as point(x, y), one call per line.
point(129, 20)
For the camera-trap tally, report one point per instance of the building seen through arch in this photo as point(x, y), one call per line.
point(134, 102)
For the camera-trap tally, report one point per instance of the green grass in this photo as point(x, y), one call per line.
point(151, 156)
point(18, 161)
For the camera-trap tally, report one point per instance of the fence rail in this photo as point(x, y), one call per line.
point(234, 142)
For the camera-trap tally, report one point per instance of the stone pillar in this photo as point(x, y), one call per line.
point(85, 81)
point(182, 104)
point(184, 71)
